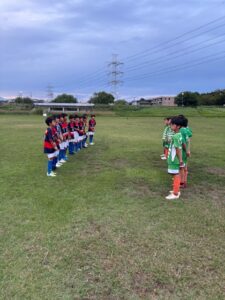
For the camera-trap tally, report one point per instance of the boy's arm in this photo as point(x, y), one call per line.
point(164, 134)
point(50, 137)
point(188, 148)
point(179, 155)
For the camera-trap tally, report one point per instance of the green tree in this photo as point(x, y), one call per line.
point(102, 98)
point(25, 101)
point(187, 99)
point(65, 98)
point(216, 97)
point(121, 102)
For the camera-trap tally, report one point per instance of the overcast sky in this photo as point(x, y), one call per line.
point(69, 43)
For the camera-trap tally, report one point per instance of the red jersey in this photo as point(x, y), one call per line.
point(92, 124)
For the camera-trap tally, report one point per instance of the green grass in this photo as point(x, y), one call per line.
point(102, 229)
point(200, 111)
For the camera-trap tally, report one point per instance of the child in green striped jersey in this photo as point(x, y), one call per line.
point(167, 137)
point(175, 159)
point(186, 133)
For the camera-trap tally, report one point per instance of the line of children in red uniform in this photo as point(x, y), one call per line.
point(62, 136)
point(176, 143)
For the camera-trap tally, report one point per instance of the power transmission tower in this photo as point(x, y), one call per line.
point(50, 93)
point(115, 74)
point(20, 94)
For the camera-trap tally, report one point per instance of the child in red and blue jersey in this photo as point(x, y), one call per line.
point(50, 145)
point(60, 140)
point(81, 132)
point(71, 134)
point(64, 127)
point(76, 133)
point(85, 120)
point(91, 129)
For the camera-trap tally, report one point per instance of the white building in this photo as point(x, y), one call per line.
point(65, 107)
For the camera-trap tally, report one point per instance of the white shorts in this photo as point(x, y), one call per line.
point(91, 133)
point(76, 136)
point(61, 146)
point(51, 155)
point(173, 172)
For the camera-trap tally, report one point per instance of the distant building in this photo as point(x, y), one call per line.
point(159, 101)
point(65, 107)
point(164, 101)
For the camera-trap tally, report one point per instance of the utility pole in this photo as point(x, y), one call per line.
point(50, 93)
point(115, 74)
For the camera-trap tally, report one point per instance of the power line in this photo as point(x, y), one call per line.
point(155, 62)
point(132, 57)
point(178, 43)
point(183, 52)
point(99, 75)
point(95, 75)
point(180, 67)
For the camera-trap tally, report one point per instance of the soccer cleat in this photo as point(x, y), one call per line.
point(58, 165)
point(62, 161)
point(86, 145)
point(92, 144)
point(172, 196)
point(52, 174)
point(171, 192)
point(163, 158)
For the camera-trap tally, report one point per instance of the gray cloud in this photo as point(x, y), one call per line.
point(64, 42)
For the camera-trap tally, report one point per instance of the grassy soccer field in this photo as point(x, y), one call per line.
point(102, 228)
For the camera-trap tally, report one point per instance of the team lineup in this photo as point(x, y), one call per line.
point(177, 149)
point(62, 136)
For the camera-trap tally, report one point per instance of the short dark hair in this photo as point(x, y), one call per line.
point(184, 120)
point(71, 117)
point(49, 120)
point(177, 121)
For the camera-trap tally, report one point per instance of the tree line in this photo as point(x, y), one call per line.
point(186, 98)
point(216, 97)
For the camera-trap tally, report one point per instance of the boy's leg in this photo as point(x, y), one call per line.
point(176, 184)
point(182, 177)
point(71, 149)
point(49, 167)
point(54, 162)
point(185, 175)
